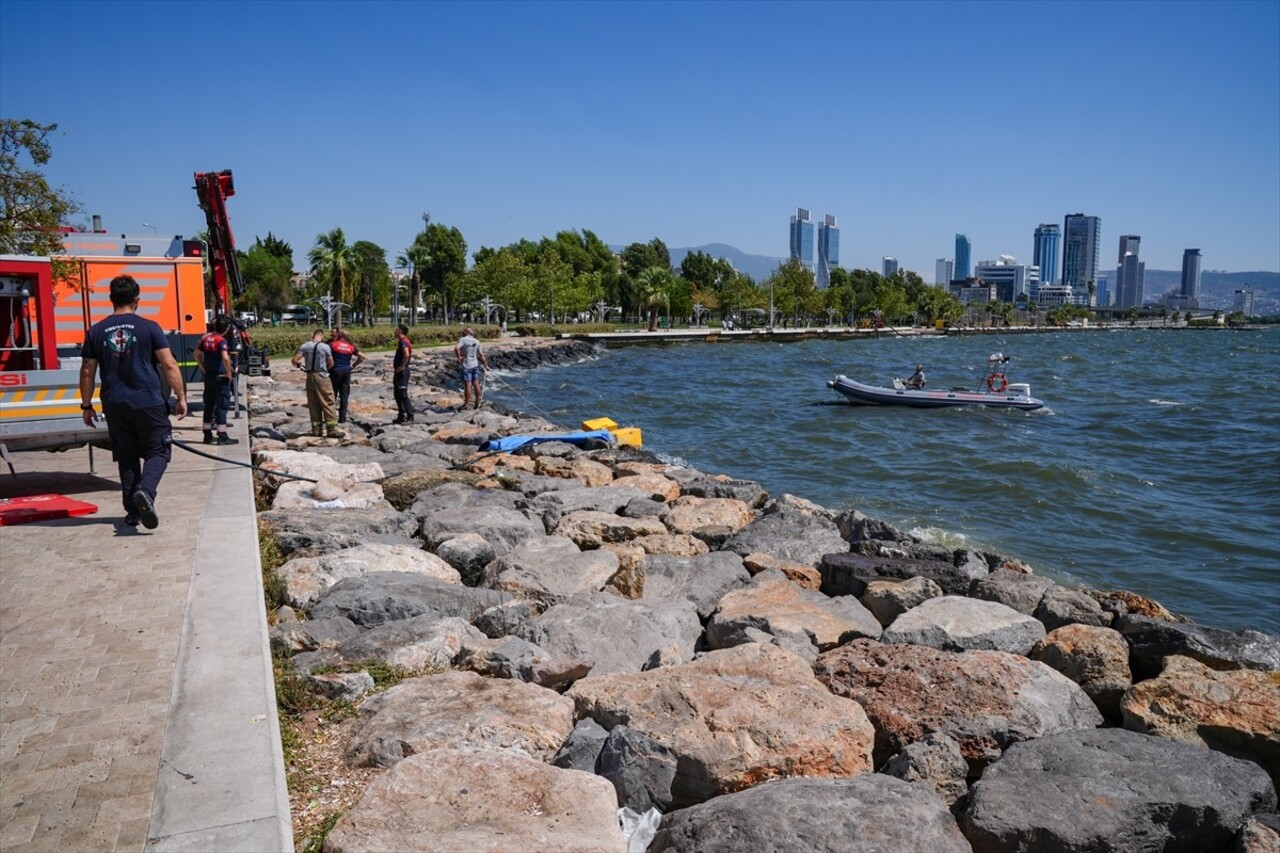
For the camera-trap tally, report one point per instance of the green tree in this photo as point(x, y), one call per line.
point(268, 275)
point(331, 260)
point(372, 277)
point(636, 259)
point(31, 211)
point(413, 259)
point(653, 289)
point(445, 260)
point(503, 276)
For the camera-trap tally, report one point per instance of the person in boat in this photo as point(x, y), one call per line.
point(917, 379)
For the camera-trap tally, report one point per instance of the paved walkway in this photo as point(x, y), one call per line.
point(137, 710)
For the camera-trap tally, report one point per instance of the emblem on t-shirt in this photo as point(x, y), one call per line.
point(121, 339)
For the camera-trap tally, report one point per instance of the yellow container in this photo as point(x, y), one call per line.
point(628, 436)
point(600, 423)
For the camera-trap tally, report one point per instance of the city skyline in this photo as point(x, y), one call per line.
point(654, 120)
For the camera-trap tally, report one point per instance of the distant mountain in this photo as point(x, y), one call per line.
point(1217, 288)
point(759, 267)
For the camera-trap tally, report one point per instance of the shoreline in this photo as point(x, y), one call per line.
point(560, 534)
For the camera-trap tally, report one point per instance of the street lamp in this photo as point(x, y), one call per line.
point(771, 303)
point(149, 225)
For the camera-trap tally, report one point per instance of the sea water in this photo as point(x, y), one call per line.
point(1154, 467)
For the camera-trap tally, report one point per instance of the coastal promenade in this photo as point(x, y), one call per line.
point(137, 708)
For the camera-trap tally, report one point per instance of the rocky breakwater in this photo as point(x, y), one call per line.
point(587, 628)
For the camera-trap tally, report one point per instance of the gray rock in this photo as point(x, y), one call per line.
point(582, 747)
point(469, 799)
point(617, 634)
point(789, 535)
point(1152, 640)
point(1012, 589)
point(570, 496)
point(1061, 607)
point(469, 553)
point(1260, 834)
point(750, 493)
point(1110, 789)
point(866, 814)
point(455, 709)
point(1096, 658)
point(856, 527)
point(643, 508)
point(641, 769)
point(510, 617)
point(387, 596)
point(848, 574)
point(700, 580)
point(889, 599)
point(936, 761)
point(342, 686)
point(322, 531)
point(267, 432)
point(550, 569)
point(456, 495)
point(500, 527)
point(426, 643)
point(512, 657)
point(780, 607)
point(958, 624)
point(291, 637)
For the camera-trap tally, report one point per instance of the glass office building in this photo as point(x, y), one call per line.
point(802, 237)
point(1080, 236)
point(1045, 256)
point(963, 269)
point(828, 250)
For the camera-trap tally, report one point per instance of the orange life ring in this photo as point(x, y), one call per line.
point(997, 382)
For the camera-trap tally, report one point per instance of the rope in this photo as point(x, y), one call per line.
point(537, 409)
point(191, 449)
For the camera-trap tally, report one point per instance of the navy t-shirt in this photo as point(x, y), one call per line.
point(211, 348)
point(125, 347)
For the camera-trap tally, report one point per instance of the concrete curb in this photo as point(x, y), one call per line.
point(222, 784)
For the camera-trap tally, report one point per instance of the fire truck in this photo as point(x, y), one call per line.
point(43, 318)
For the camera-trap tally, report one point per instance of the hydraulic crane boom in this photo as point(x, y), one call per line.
point(213, 189)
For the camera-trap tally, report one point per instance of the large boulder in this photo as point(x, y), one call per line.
point(805, 575)
point(789, 535)
point(402, 489)
point(581, 749)
point(1235, 711)
point(454, 494)
point(1110, 789)
point(550, 569)
point(591, 529)
point(750, 493)
point(1018, 590)
point(480, 801)
point(453, 708)
point(936, 761)
point(615, 634)
point(866, 814)
point(889, 599)
point(986, 700)
point(425, 643)
point(1152, 640)
point(386, 596)
point(690, 514)
point(323, 531)
point(777, 606)
point(328, 494)
point(733, 719)
point(502, 528)
point(288, 638)
point(512, 657)
point(469, 553)
point(1070, 607)
point(956, 624)
point(849, 573)
point(642, 770)
point(306, 578)
point(1095, 658)
point(701, 580)
point(317, 466)
point(552, 505)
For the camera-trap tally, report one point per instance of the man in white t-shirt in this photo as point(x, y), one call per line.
point(470, 357)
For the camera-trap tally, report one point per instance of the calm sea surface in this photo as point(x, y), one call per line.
point(1155, 466)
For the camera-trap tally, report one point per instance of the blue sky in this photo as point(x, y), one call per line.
point(693, 122)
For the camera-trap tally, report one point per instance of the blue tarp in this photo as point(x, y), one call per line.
point(515, 442)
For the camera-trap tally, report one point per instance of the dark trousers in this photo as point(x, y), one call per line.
point(140, 442)
point(216, 401)
point(401, 388)
point(341, 380)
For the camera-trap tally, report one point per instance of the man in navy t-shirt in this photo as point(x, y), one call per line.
point(131, 352)
point(400, 375)
point(346, 357)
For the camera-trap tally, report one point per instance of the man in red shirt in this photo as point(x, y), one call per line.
point(346, 357)
point(215, 366)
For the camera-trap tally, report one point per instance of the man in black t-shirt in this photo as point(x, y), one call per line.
point(131, 352)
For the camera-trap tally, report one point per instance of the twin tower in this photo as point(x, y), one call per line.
point(828, 244)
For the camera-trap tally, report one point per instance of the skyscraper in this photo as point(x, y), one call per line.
point(828, 250)
point(963, 248)
point(1191, 275)
point(942, 272)
point(889, 266)
point(1129, 273)
point(802, 237)
point(1080, 235)
point(1046, 252)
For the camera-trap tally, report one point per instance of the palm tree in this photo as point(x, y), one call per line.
point(415, 258)
point(331, 260)
point(654, 286)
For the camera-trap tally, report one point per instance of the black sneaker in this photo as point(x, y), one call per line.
point(131, 519)
point(146, 509)
point(399, 420)
point(208, 437)
point(223, 438)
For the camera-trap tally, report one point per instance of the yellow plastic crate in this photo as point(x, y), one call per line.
point(600, 423)
point(628, 436)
